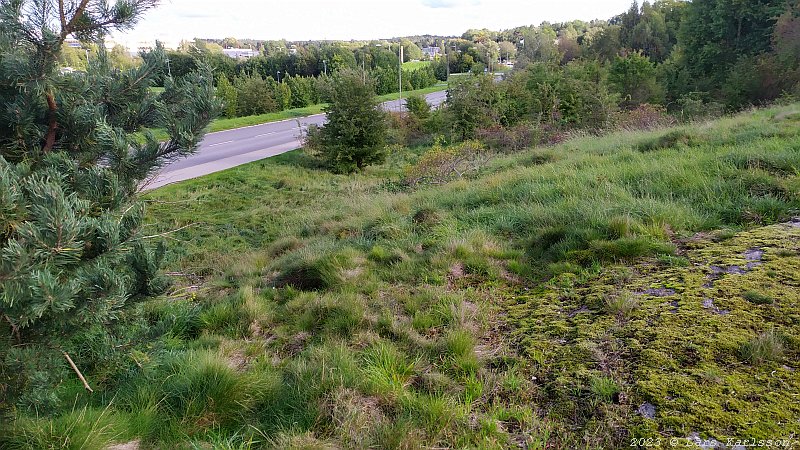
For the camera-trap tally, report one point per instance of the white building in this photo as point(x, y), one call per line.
point(240, 53)
point(431, 52)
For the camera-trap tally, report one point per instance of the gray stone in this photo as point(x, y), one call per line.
point(647, 410)
point(735, 270)
point(660, 292)
point(754, 254)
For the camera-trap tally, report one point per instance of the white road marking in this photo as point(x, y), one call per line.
point(220, 143)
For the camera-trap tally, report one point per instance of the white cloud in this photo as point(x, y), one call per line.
point(449, 3)
point(354, 19)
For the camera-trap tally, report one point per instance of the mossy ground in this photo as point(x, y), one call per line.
point(540, 303)
point(679, 348)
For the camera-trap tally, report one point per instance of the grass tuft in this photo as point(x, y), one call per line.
point(757, 298)
point(604, 388)
point(766, 347)
point(622, 304)
point(388, 371)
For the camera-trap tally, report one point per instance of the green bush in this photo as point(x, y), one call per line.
point(355, 133)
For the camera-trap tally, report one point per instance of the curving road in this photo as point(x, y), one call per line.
point(225, 149)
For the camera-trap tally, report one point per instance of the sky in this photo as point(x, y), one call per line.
point(297, 20)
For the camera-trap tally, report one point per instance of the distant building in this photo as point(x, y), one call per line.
point(240, 53)
point(431, 52)
point(72, 42)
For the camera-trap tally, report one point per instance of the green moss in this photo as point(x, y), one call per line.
point(683, 350)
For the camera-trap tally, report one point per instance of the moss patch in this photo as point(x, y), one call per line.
point(680, 349)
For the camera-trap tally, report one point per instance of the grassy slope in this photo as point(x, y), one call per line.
point(543, 302)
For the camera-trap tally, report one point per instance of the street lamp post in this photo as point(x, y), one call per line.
point(325, 65)
point(448, 60)
point(279, 77)
point(400, 71)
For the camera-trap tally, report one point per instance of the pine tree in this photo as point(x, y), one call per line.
point(74, 151)
point(355, 133)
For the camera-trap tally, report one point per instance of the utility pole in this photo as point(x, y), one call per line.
point(447, 54)
point(400, 104)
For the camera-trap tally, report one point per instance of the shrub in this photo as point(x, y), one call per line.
point(227, 92)
point(693, 107)
point(472, 104)
point(254, 96)
point(643, 117)
point(634, 77)
point(512, 139)
point(441, 164)
point(418, 107)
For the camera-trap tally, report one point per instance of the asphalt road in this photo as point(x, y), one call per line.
point(225, 149)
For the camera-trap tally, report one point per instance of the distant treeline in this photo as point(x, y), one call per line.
point(723, 53)
point(286, 77)
point(654, 64)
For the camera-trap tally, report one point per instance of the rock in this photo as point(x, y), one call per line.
point(709, 304)
point(753, 264)
point(754, 254)
point(647, 410)
point(659, 292)
point(735, 270)
point(581, 310)
point(717, 270)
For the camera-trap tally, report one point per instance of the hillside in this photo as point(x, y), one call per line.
point(636, 285)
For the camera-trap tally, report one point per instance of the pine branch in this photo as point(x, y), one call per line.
point(77, 372)
point(68, 29)
point(14, 328)
point(53, 125)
